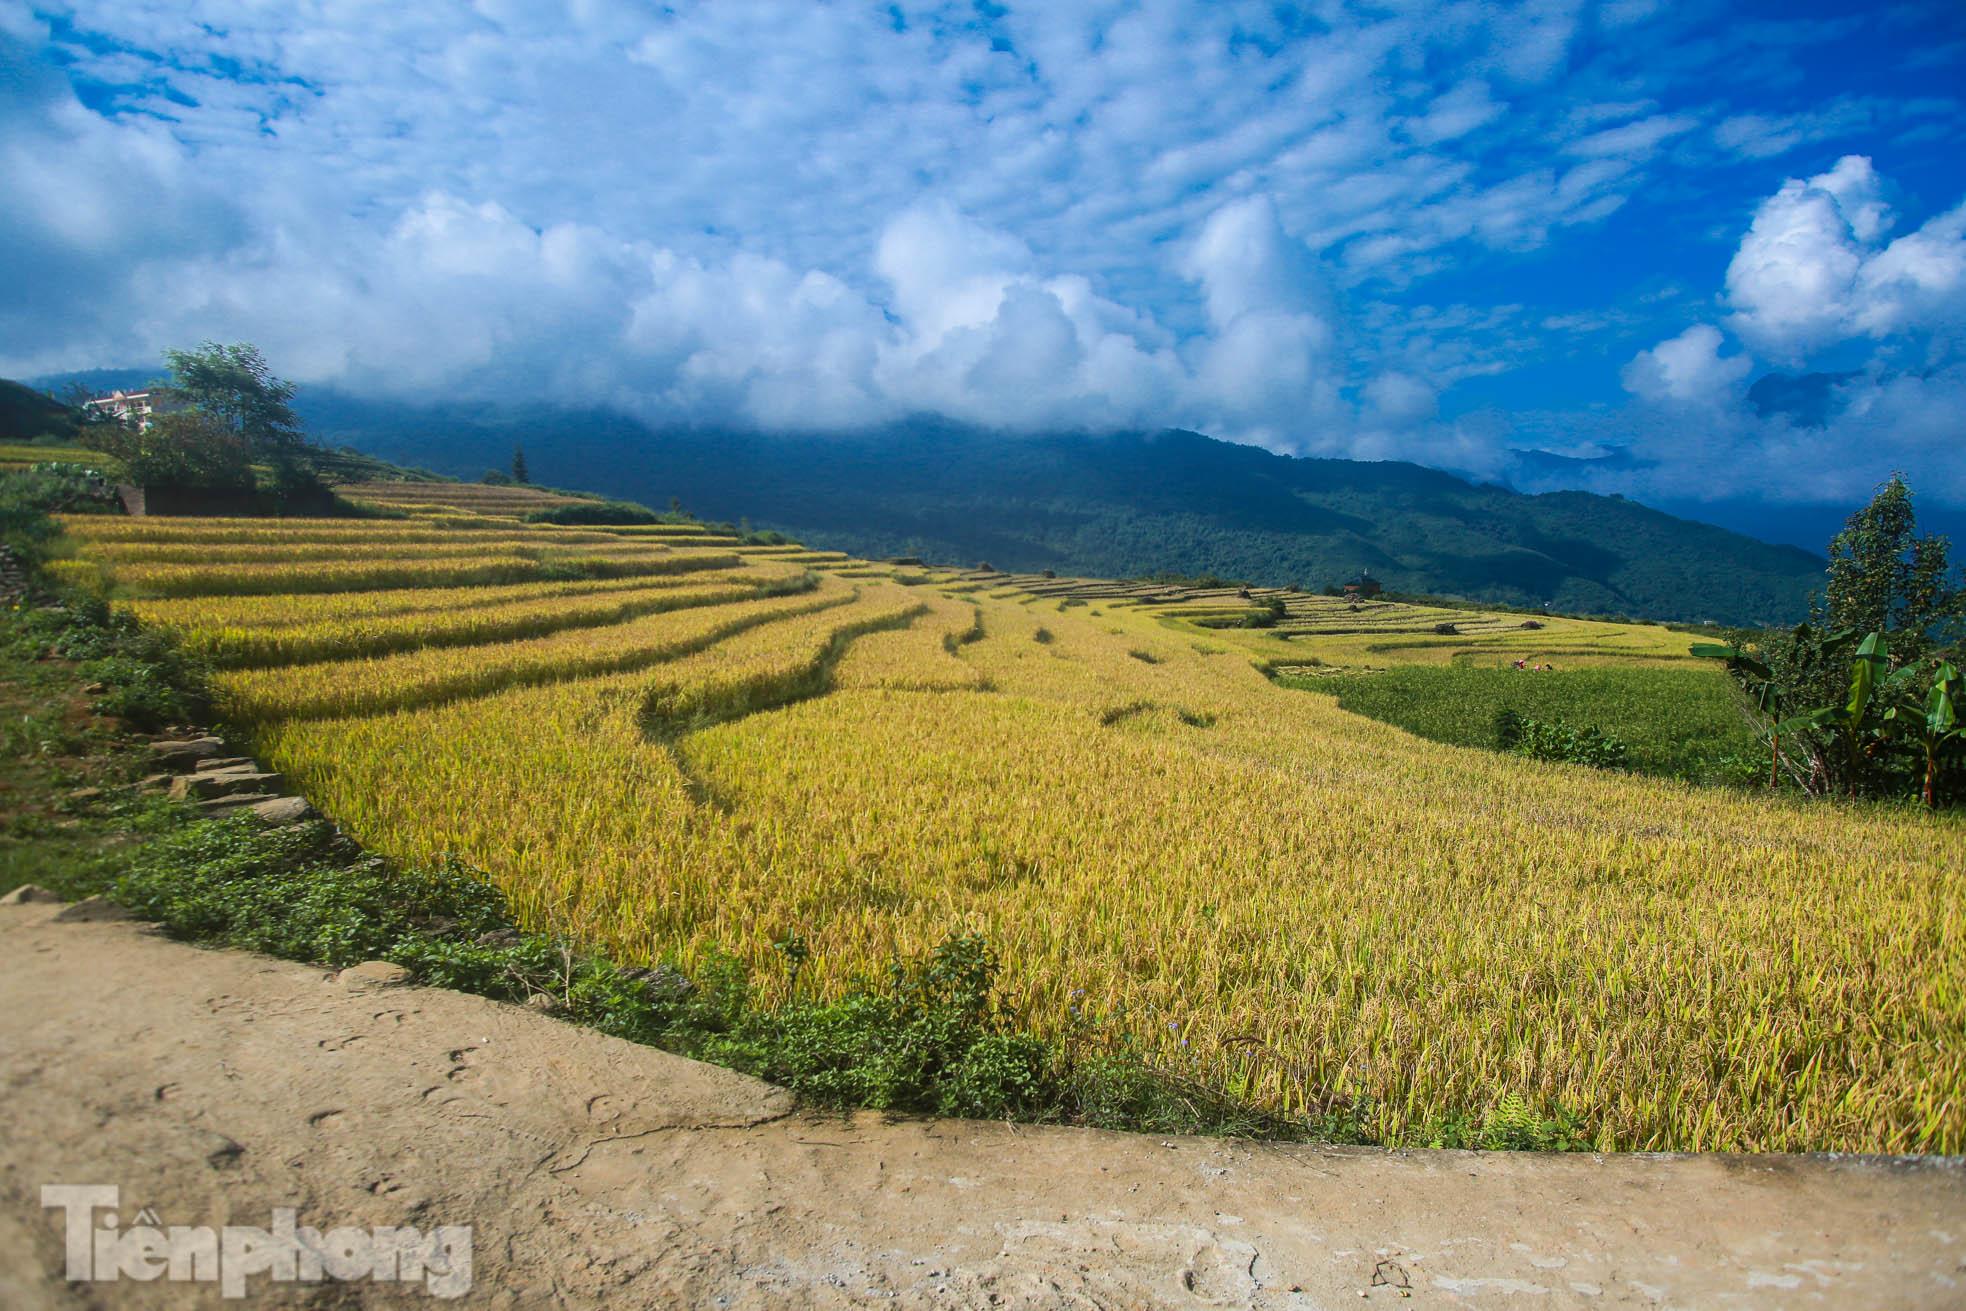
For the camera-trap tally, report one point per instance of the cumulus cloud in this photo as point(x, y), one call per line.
point(1817, 270)
point(1813, 269)
point(1098, 139)
point(1883, 421)
point(1089, 215)
point(980, 334)
point(1687, 370)
point(1260, 371)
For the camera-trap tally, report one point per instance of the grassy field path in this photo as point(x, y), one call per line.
point(211, 1085)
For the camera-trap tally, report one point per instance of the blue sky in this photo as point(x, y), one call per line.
point(1447, 232)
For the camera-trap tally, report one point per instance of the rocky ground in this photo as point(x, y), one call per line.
point(211, 1087)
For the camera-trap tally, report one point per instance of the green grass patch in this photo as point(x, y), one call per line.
point(1679, 721)
point(69, 815)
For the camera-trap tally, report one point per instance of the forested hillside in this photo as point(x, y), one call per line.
point(1130, 504)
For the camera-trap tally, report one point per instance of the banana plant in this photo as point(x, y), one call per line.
point(1870, 669)
point(1931, 723)
point(1757, 680)
point(1880, 709)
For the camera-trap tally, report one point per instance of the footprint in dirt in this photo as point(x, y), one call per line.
point(462, 1070)
point(1154, 1259)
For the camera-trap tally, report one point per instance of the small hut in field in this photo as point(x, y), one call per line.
point(1363, 587)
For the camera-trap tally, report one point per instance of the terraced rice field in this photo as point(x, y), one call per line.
point(23, 455)
point(1269, 893)
point(1327, 631)
point(474, 498)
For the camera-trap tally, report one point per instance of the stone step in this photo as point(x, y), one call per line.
point(219, 806)
point(282, 810)
point(225, 762)
point(226, 783)
point(184, 753)
point(269, 809)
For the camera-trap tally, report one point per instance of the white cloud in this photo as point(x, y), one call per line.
point(1764, 136)
point(1400, 400)
point(1099, 137)
point(1263, 373)
point(1461, 110)
point(1810, 272)
point(1859, 195)
point(1688, 370)
point(1917, 281)
point(1081, 213)
point(1634, 139)
point(1883, 421)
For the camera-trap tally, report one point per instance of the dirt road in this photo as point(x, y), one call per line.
point(212, 1087)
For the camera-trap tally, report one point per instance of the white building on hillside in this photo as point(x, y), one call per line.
point(137, 407)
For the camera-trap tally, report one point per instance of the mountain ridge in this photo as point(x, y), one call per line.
point(1124, 504)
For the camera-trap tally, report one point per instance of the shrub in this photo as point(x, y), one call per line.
point(597, 512)
point(301, 891)
point(1511, 1124)
point(1556, 740)
point(29, 496)
point(184, 448)
point(1267, 615)
point(138, 676)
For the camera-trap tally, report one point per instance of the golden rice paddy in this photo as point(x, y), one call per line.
point(1281, 898)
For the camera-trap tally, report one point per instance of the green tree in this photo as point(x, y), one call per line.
point(181, 448)
point(519, 474)
point(234, 385)
point(234, 390)
point(1835, 696)
point(1885, 577)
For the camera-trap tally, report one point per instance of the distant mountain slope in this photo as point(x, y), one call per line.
point(1125, 505)
point(26, 414)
